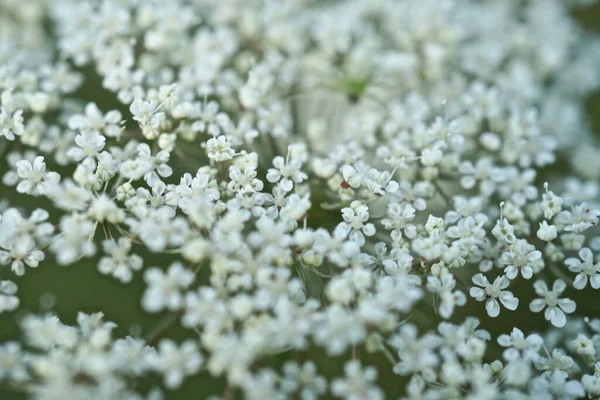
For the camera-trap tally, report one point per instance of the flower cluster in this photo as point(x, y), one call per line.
point(378, 181)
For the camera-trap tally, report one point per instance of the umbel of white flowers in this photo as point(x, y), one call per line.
point(377, 181)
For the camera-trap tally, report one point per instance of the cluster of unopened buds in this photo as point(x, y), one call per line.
point(306, 199)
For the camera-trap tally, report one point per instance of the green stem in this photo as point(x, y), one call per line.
point(442, 194)
point(162, 326)
point(386, 352)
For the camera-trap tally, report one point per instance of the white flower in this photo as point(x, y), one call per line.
point(154, 166)
point(8, 300)
point(219, 149)
point(210, 119)
point(416, 354)
point(48, 332)
point(521, 256)
point(443, 286)
point(519, 346)
point(355, 217)
point(556, 386)
point(89, 144)
point(11, 121)
point(244, 132)
point(103, 209)
point(164, 289)
point(262, 385)
point(415, 194)
point(518, 373)
point(303, 378)
point(195, 249)
point(555, 307)
point(11, 125)
point(579, 219)
point(355, 243)
point(585, 270)
point(431, 156)
point(24, 252)
point(73, 242)
point(352, 177)
point(295, 208)
point(15, 227)
point(380, 182)
point(401, 264)
point(551, 203)
point(35, 180)
point(435, 226)
point(591, 383)
point(131, 355)
point(546, 232)
point(558, 360)
point(491, 293)
point(337, 328)
point(13, 362)
point(159, 228)
point(175, 363)
point(288, 170)
point(358, 383)
point(244, 181)
point(398, 216)
point(93, 120)
point(583, 346)
point(146, 113)
point(489, 176)
point(504, 231)
point(336, 246)
point(518, 186)
point(120, 264)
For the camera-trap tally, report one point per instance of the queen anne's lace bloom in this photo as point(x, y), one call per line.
point(120, 264)
point(586, 268)
point(8, 299)
point(164, 289)
point(337, 183)
point(175, 363)
point(11, 119)
point(358, 383)
point(520, 256)
point(34, 179)
point(493, 293)
point(519, 346)
point(555, 307)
